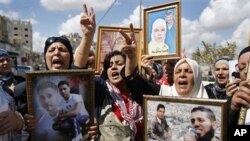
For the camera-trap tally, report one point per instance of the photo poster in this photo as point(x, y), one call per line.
point(178, 116)
point(76, 85)
point(232, 69)
point(110, 39)
point(48, 104)
point(162, 15)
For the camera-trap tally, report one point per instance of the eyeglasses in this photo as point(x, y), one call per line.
point(53, 39)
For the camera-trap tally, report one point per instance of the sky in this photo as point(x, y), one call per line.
point(212, 21)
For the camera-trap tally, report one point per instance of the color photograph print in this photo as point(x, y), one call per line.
point(110, 39)
point(180, 121)
point(162, 31)
point(62, 102)
point(234, 74)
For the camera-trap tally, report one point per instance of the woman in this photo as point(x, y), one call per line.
point(11, 121)
point(119, 94)
point(58, 54)
point(217, 90)
point(187, 81)
point(102, 89)
point(157, 46)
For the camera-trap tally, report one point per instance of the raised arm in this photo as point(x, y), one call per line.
point(88, 26)
point(130, 48)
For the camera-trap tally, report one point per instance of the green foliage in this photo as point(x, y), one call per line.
point(208, 53)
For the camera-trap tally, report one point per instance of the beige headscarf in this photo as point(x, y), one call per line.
point(198, 90)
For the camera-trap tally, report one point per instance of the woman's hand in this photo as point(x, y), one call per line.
point(242, 96)
point(30, 121)
point(130, 45)
point(231, 88)
point(92, 129)
point(88, 26)
point(130, 49)
point(10, 121)
point(88, 23)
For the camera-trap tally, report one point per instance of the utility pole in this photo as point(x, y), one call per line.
point(140, 13)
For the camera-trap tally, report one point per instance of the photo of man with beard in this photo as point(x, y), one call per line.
point(204, 124)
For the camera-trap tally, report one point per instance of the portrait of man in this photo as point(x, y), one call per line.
point(72, 112)
point(60, 110)
point(178, 119)
point(203, 123)
point(159, 129)
point(170, 19)
point(48, 98)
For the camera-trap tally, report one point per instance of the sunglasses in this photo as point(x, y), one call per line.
point(53, 39)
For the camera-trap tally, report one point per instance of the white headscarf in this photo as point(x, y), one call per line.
point(158, 23)
point(198, 90)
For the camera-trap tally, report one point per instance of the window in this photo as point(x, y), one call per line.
point(15, 34)
point(15, 28)
point(26, 35)
point(26, 29)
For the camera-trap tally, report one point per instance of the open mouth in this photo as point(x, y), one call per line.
point(221, 77)
point(115, 74)
point(182, 83)
point(57, 62)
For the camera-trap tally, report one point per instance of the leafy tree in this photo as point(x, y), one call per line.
point(209, 53)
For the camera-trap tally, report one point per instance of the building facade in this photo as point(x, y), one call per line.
point(16, 38)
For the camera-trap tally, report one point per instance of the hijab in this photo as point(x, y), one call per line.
point(158, 23)
point(198, 90)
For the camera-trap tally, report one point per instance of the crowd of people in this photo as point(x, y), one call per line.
point(119, 91)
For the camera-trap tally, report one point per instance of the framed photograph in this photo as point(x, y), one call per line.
point(162, 30)
point(62, 102)
point(178, 118)
point(234, 74)
point(110, 39)
point(244, 117)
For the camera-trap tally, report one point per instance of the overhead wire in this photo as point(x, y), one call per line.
point(106, 12)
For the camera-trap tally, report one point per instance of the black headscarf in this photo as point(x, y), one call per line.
point(62, 39)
